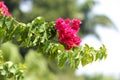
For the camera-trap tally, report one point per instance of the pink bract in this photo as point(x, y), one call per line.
point(75, 24)
point(67, 32)
point(4, 9)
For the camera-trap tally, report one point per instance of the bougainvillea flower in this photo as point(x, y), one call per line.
point(67, 31)
point(4, 9)
point(75, 24)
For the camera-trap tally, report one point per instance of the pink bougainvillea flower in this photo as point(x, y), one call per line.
point(4, 9)
point(67, 31)
point(67, 21)
point(75, 24)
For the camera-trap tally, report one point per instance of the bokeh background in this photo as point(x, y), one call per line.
point(100, 25)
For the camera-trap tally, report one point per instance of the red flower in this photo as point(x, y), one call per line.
point(67, 31)
point(75, 24)
point(4, 9)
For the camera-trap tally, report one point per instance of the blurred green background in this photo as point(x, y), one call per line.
point(38, 66)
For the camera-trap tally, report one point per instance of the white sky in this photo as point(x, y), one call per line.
point(110, 37)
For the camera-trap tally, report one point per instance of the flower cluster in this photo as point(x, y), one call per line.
point(67, 31)
point(4, 9)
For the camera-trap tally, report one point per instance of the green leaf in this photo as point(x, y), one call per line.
point(2, 33)
point(61, 59)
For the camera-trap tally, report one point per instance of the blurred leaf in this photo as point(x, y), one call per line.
point(11, 52)
point(102, 20)
point(37, 67)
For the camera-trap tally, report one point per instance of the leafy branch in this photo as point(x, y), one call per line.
point(41, 34)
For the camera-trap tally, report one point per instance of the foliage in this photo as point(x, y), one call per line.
point(11, 53)
point(37, 67)
point(41, 34)
point(9, 70)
